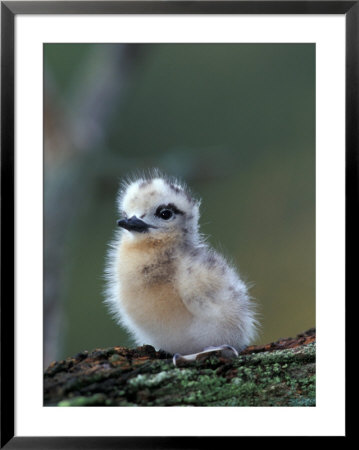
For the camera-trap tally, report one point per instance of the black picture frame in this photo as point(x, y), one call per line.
point(9, 10)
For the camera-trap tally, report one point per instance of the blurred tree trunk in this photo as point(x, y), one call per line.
point(278, 374)
point(73, 126)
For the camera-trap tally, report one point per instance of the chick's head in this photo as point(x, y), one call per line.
point(157, 207)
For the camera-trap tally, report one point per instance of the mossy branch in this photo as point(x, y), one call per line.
point(278, 374)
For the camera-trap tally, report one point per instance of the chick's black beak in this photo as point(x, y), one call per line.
point(134, 224)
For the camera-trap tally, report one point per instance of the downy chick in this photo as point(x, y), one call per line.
point(166, 286)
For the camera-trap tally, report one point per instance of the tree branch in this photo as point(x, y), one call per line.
point(278, 374)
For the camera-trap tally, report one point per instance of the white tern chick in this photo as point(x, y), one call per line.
point(165, 284)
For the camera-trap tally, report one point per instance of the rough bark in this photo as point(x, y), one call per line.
point(278, 374)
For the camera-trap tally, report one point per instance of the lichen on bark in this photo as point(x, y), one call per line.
point(278, 374)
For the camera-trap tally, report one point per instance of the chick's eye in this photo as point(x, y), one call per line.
point(165, 214)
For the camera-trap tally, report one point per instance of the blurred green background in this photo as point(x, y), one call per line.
point(234, 121)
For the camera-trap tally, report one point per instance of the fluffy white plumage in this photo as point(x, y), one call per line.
point(165, 284)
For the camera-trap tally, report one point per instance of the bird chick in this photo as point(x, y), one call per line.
point(166, 286)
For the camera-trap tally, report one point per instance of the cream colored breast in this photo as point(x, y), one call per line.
point(147, 272)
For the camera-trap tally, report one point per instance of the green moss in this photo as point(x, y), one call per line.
point(94, 400)
point(260, 380)
point(278, 378)
point(149, 381)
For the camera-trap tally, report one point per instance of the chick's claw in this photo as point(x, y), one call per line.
point(225, 351)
